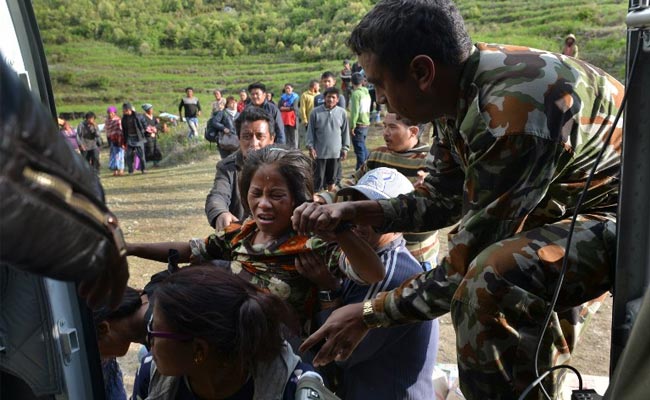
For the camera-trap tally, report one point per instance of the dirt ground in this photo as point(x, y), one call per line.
point(167, 204)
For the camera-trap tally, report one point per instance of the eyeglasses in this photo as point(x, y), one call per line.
point(181, 337)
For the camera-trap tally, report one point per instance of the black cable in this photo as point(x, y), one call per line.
point(545, 374)
point(565, 261)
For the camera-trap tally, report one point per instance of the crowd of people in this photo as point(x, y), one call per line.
point(132, 139)
point(308, 269)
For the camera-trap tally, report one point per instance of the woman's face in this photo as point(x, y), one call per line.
point(270, 201)
point(173, 357)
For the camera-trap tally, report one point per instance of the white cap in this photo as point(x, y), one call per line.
point(380, 183)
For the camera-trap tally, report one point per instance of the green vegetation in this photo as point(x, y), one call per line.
point(104, 52)
point(90, 74)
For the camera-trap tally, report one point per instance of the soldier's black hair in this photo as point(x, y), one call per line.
point(398, 30)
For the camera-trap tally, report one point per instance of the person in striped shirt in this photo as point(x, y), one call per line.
point(407, 154)
point(389, 363)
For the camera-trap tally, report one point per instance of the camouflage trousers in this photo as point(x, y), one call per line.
point(499, 307)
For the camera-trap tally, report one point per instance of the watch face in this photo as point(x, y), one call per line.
point(369, 317)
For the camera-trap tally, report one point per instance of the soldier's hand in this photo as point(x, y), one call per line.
point(342, 332)
point(315, 218)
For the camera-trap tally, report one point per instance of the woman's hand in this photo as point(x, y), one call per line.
point(311, 266)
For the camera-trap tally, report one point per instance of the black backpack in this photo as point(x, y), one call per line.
point(211, 134)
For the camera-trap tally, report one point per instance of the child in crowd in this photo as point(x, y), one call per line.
point(70, 135)
point(215, 336)
point(264, 249)
point(115, 137)
point(389, 363)
point(393, 363)
point(116, 330)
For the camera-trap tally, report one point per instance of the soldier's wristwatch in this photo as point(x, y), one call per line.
point(369, 316)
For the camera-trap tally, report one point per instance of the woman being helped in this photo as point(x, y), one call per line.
point(264, 249)
point(215, 336)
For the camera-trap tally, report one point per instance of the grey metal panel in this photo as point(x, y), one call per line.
point(633, 249)
point(67, 327)
point(30, 352)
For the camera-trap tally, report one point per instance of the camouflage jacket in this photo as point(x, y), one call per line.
point(530, 124)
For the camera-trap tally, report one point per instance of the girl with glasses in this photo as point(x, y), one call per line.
point(215, 336)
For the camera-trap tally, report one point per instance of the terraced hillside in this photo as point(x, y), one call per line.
point(91, 70)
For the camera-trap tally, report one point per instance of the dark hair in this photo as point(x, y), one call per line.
point(295, 167)
point(90, 114)
point(398, 30)
point(357, 78)
point(409, 123)
point(257, 85)
point(189, 88)
point(404, 120)
point(313, 83)
point(333, 89)
point(236, 317)
point(252, 114)
point(130, 304)
point(327, 74)
point(230, 98)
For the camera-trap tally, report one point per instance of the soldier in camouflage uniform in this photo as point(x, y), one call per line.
point(524, 129)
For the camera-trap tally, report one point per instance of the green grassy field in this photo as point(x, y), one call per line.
point(90, 75)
